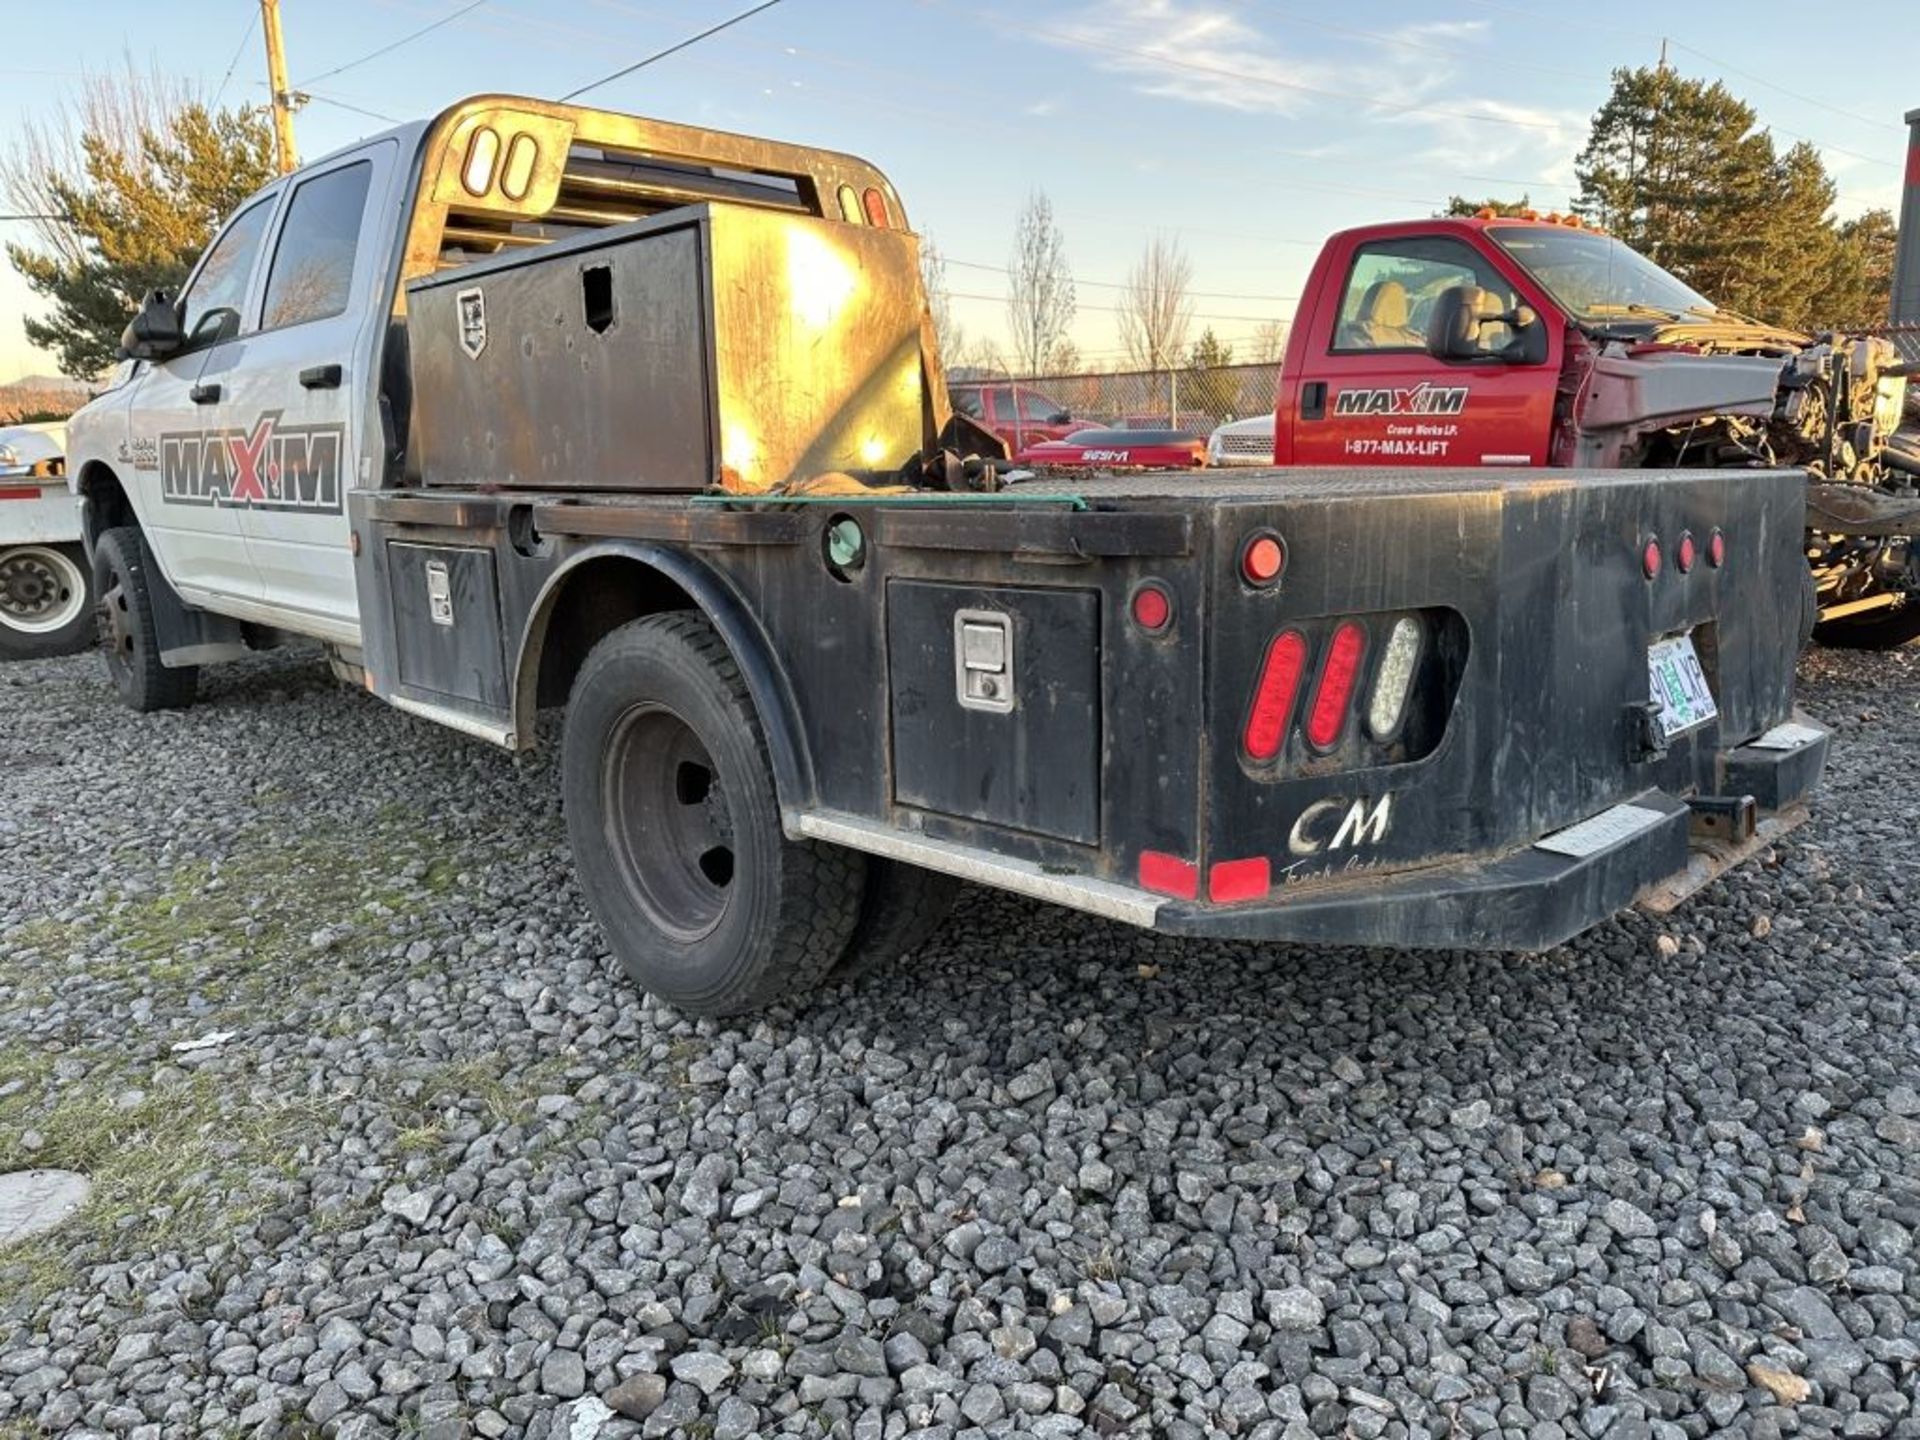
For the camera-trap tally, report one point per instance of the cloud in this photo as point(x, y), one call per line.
point(1208, 54)
point(1412, 77)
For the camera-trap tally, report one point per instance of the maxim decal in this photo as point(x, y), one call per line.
point(270, 467)
point(1419, 399)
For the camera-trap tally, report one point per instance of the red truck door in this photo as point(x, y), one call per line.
point(1366, 392)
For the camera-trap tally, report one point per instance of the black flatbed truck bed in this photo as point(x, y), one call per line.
point(1521, 800)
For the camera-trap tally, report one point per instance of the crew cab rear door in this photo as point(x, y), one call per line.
point(290, 388)
point(1368, 393)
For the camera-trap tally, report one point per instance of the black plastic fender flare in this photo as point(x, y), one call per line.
point(714, 597)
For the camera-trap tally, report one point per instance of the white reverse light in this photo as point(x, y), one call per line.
point(1394, 680)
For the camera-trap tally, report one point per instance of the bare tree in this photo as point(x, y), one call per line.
point(1269, 345)
point(115, 111)
point(947, 334)
point(1040, 305)
point(1155, 308)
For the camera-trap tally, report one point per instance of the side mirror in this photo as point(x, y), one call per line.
point(1059, 418)
point(155, 332)
point(1453, 329)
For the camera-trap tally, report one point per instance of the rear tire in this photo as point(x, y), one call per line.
point(903, 907)
point(122, 565)
point(46, 602)
point(675, 827)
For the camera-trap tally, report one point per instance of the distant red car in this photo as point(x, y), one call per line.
point(1119, 450)
point(1018, 414)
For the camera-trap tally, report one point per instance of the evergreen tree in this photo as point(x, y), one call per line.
point(1207, 385)
point(132, 217)
point(1676, 168)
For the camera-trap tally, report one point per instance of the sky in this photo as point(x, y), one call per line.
point(1246, 130)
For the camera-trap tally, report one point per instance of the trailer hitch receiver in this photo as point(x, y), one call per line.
point(1726, 818)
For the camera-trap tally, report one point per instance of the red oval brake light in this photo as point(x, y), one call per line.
point(1332, 697)
point(1274, 694)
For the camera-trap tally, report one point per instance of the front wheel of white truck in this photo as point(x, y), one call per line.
point(46, 601)
point(122, 571)
point(675, 827)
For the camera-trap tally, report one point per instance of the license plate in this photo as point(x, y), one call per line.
point(1678, 685)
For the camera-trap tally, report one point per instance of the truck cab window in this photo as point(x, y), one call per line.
point(1038, 408)
point(225, 273)
point(312, 274)
point(1393, 284)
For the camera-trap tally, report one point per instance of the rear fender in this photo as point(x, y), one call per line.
point(714, 597)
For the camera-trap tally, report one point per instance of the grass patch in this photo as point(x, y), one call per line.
point(174, 1167)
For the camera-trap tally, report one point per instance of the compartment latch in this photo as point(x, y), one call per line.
point(983, 660)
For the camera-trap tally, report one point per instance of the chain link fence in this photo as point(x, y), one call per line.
point(1191, 398)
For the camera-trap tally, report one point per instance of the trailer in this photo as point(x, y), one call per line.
point(46, 602)
point(560, 408)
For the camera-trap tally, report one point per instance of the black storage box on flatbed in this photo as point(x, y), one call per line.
point(592, 363)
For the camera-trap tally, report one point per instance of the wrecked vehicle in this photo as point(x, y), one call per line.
point(1535, 340)
point(533, 405)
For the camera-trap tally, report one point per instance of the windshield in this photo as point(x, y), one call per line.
point(1595, 276)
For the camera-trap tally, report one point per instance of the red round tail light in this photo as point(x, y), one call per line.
point(1716, 549)
point(1684, 552)
point(1262, 559)
point(1650, 558)
point(1152, 608)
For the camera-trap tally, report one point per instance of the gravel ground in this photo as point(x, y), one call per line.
point(448, 1175)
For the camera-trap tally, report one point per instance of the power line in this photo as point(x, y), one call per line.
point(356, 109)
point(1119, 309)
point(253, 19)
point(407, 39)
point(672, 49)
point(1794, 94)
point(1121, 285)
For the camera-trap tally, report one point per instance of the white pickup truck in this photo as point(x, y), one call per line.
point(46, 601)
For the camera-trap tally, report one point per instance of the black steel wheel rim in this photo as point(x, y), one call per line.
point(117, 627)
point(668, 821)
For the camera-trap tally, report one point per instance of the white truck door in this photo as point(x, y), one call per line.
point(175, 462)
point(291, 386)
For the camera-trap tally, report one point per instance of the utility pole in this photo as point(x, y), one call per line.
point(277, 81)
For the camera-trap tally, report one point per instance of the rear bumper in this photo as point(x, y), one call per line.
point(1545, 894)
point(1528, 899)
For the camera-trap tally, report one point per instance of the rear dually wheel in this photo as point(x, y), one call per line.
point(675, 827)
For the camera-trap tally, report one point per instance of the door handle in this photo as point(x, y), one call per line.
point(321, 377)
point(1313, 400)
point(208, 394)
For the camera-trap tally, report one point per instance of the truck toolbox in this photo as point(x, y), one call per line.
point(594, 364)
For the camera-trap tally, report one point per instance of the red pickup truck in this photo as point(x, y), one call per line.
point(1538, 341)
point(1018, 414)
